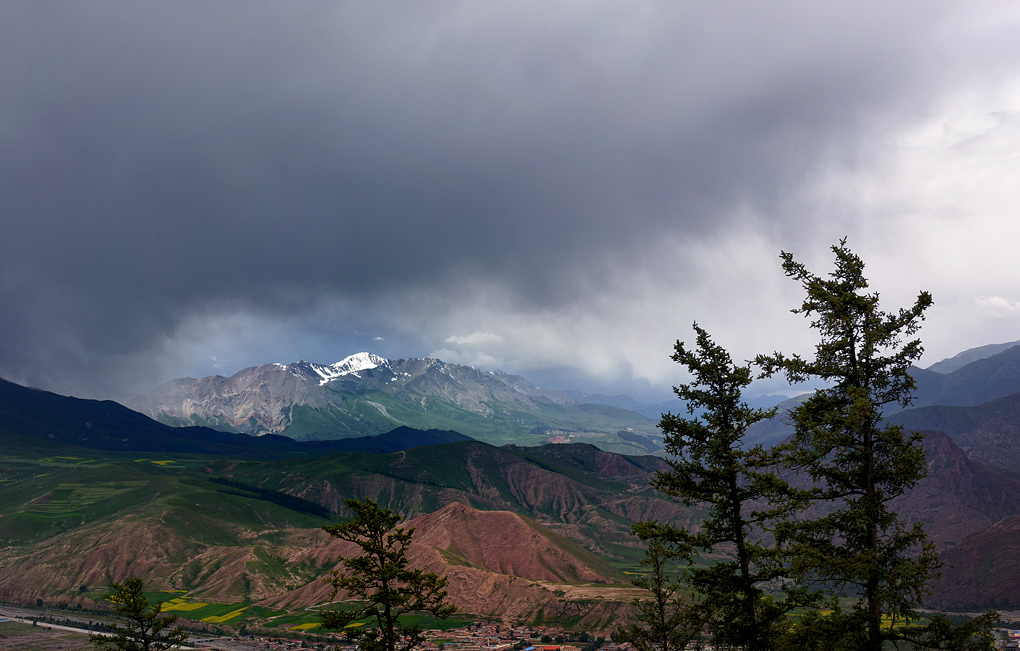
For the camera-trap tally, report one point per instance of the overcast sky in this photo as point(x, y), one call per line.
point(556, 189)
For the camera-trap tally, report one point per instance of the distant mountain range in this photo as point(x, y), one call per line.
point(365, 394)
point(992, 372)
point(950, 364)
point(92, 491)
point(39, 421)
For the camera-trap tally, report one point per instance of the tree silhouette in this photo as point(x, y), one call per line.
point(147, 628)
point(382, 579)
point(859, 547)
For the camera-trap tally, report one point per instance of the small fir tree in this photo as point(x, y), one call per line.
point(147, 628)
point(382, 579)
point(666, 622)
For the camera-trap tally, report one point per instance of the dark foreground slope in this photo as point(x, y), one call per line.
point(35, 420)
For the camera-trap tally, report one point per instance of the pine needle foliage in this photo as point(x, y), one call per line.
point(860, 548)
point(709, 466)
point(147, 628)
point(666, 621)
point(382, 581)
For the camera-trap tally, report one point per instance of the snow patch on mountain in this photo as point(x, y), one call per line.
point(351, 365)
point(361, 362)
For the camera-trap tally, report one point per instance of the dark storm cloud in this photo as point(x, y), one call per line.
point(167, 160)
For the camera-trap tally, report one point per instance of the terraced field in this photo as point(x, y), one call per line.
point(68, 498)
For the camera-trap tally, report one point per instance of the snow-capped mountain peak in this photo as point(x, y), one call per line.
point(360, 362)
point(351, 365)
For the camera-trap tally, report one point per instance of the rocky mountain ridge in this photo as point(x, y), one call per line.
point(950, 364)
point(365, 394)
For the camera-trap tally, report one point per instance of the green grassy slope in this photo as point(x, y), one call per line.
point(43, 496)
point(611, 428)
point(76, 517)
point(591, 495)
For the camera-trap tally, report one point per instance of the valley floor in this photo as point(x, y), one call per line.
point(25, 637)
point(19, 630)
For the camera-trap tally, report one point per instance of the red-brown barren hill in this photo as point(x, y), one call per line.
point(959, 496)
point(983, 571)
point(507, 543)
point(499, 564)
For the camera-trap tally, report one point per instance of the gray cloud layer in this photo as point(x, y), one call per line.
point(514, 184)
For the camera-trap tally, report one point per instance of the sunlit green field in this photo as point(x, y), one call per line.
point(247, 613)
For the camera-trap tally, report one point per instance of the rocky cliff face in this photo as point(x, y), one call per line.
point(254, 401)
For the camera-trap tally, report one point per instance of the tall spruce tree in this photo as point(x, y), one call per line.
point(860, 548)
point(709, 466)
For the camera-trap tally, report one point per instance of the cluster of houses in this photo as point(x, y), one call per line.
point(478, 637)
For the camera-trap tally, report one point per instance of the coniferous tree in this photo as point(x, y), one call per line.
point(711, 467)
point(860, 548)
point(382, 579)
point(666, 622)
point(147, 628)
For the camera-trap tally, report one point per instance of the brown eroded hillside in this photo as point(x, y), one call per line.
point(499, 564)
point(960, 496)
point(258, 566)
point(983, 571)
point(507, 543)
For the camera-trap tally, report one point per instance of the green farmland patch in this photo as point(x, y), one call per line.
point(421, 621)
point(72, 498)
point(210, 613)
point(301, 621)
